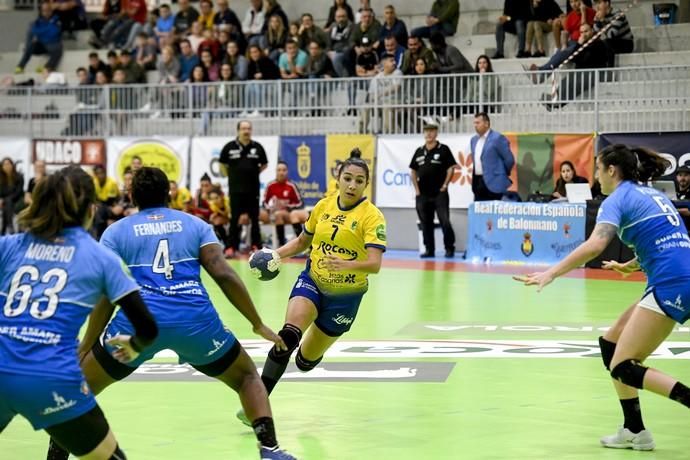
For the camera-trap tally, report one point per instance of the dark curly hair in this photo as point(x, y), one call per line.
point(150, 188)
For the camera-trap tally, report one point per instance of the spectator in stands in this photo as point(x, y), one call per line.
point(239, 63)
point(293, 31)
point(481, 97)
point(367, 60)
point(39, 173)
point(283, 204)
point(443, 18)
point(337, 4)
point(43, 37)
point(391, 47)
point(569, 7)
point(123, 100)
point(318, 66)
point(275, 38)
point(72, 15)
point(200, 206)
point(423, 96)
point(581, 14)
point(148, 27)
point(228, 95)
point(308, 33)
point(560, 35)
point(364, 5)
point(11, 194)
point(220, 214)
point(568, 176)
point(82, 78)
point(136, 163)
point(384, 89)
point(368, 27)
point(95, 65)
point(516, 14)
point(544, 13)
point(226, 19)
point(196, 36)
point(111, 10)
point(340, 32)
point(683, 185)
point(492, 160)
point(124, 205)
point(145, 52)
point(260, 68)
point(449, 58)
point(165, 25)
point(211, 43)
point(211, 67)
point(185, 17)
point(180, 197)
point(392, 26)
point(116, 30)
point(134, 73)
point(253, 23)
point(206, 14)
point(596, 55)
point(107, 194)
point(168, 66)
point(188, 59)
point(273, 8)
point(113, 62)
point(292, 62)
point(618, 37)
point(415, 50)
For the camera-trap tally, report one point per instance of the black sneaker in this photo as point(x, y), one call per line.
point(450, 253)
point(426, 254)
point(497, 56)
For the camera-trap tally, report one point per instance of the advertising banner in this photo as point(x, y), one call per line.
point(675, 147)
point(206, 152)
point(58, 153)
point(167, 153)
point(17, 149)
point(338, 148)
point(523, 233)
point(394, 187)
point(306, 159)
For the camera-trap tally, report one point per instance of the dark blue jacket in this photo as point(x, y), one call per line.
point(47, 30)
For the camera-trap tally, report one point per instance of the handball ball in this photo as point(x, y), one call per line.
point(265, 264)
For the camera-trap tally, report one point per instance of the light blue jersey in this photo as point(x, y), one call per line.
point(161, 247)
point(648, 223)
point(47, 290)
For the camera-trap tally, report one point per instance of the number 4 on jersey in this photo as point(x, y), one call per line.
point(161, 261)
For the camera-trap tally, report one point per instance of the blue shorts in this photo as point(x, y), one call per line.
point(336, 313)
point(43, 401)
point(198, 343)
point(670, 299)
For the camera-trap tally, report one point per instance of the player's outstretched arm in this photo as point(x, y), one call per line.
point(213, 261)
point(624, 269)
point(98, 319)
point(295, 246)
point(598, 241)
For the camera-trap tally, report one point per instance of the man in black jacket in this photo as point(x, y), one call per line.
point(516, 14)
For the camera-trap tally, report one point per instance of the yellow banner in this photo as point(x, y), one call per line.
point(338, 148)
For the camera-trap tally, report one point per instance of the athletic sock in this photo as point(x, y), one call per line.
point(680, 393)
point(280, 233)
point(632, 414)
point(265, 432)
point(297, 229)
point(55, 452)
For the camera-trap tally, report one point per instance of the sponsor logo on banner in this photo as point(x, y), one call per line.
point(58, 153)
point(306, 160)
point(303, 161)
point(527, 246)
point(152, 153)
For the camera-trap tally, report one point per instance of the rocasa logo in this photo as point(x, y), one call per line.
point(328, 248)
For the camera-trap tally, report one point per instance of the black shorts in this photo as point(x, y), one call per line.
point(81, 435)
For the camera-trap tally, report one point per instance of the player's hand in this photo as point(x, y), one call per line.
point(335, 264)
point(624, 269)
point(266, 332)
point(124, 352)
point(539, 279)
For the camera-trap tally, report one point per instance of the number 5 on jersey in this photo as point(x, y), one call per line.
point(161, 261)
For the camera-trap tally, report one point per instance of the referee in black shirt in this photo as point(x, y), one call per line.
point(242, 160)
point(431, 169)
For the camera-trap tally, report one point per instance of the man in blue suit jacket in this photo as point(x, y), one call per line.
point(492, 160)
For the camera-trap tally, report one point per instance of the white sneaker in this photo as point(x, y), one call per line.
point(254, 114)
point(626, 439)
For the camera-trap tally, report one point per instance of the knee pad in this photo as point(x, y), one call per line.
point(304, 364)
point(607, 349)
point(630, 372)
point(291, 335)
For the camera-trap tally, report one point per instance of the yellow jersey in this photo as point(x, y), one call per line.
point(344, 233)
point(183, 196)
point(107, 191)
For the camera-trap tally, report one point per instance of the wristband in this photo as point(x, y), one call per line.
point(135, 346)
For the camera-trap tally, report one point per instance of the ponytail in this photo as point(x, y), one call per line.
point(58, 201)
point(637, 164)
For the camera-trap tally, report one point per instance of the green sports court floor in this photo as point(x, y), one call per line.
point(445, 361)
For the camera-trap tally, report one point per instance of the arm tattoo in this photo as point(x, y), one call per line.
point(605, 231)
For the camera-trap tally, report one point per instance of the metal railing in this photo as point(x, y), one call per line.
point(606, 100)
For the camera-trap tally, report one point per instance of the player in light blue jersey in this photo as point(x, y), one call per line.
point(165, 250)
point(646, 221)
point(50, 279)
